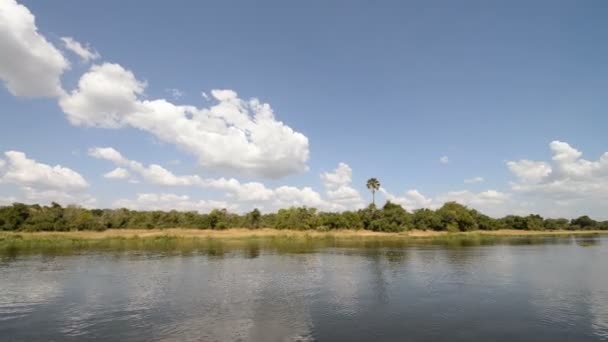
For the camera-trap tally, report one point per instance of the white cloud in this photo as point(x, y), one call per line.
point(166, 202)
point(475, 200)
point(23, 171)
point(153, 173)
point(412, 199)
point(41, 196)
point(245, 192)
point(340, 193)
point(118, 173)
point(85, 52)
point(444, 159)
point(288, 196)
point(341, 176)
point(491, 202)
point(29, 64)
point(474, 180)
point(254, 193)
point(234, 135)
point(106, 94)
point(529, 171)
point(42, 183)
point(175, 93)
point(569, 186)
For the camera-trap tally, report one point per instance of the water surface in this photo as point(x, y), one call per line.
point(553, 289)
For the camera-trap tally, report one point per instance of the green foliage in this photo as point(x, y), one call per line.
point(584, 222)
point(556, 224)
point(456, 217)
point(425, 219)
point(298, 218)
point(390, 218)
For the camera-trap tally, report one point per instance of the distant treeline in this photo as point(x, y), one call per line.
point(390, 218)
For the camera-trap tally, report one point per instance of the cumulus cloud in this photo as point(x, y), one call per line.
point(167, 201)
point(476, 200)
point(85, 52)
point(339, 190)
point(489, 201)
point(118, 173)
point(245, 192)
point(42, 183)
point(236, 135)
point(567, 186)
point(529, 171)
point(105, 96)
point(232, 134)
point(23, 171)
point(474, 180)
point(340, 194)
point(29, 64)
point(33, 195)
point(289, 196)
point(444, 159)
point(411, 200)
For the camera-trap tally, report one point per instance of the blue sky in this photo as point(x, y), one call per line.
point(387, 89)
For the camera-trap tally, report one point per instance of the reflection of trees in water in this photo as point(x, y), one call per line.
point(587, 242)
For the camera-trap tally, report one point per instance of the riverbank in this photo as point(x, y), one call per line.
point(219, 242)
point(268, 232)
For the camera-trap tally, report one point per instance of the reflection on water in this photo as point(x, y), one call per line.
point(548, 289)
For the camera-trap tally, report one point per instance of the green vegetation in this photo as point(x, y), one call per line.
point(13, 243)
point(451, 217)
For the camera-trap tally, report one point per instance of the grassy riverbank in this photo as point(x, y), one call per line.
point(218, 242)
point(268, 232)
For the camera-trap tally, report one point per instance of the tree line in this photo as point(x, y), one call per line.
point(392, 217)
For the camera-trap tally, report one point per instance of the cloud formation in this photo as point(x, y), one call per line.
point(338, 186)
point(254, 192)
point(29, 65)
point(85, 52)
point(167, 202)
point(118, 173)
point(234, 135)
point(490, 201)
point(23, 171)
point(567, 186)
point(43, 183)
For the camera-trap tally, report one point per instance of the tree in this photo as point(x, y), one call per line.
point(584, 222)
point(456, 217)
point(392, 218)
point(373, 185)
point(254, 218)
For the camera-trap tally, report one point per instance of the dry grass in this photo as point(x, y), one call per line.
point(267, 232)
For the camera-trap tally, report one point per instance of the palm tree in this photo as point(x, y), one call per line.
point(373, 185)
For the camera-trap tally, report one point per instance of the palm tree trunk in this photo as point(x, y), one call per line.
point(374, 198)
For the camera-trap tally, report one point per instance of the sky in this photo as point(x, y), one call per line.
point(195, 105)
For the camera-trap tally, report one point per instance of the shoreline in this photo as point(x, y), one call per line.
point(237, 233)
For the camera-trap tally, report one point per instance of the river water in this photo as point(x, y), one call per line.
point(548, 290)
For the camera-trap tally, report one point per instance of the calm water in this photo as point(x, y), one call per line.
point(550, 290)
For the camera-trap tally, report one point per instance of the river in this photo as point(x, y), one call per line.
point(553, 289)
